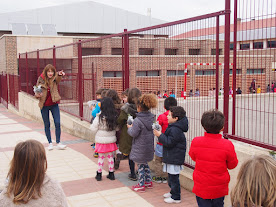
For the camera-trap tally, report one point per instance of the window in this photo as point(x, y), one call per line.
point(169, 51)
point(205, 72)
point(271, 44)
point(214, 51)
point(174, 72)
point(231, 46)
point(91, 51)
point(116, 51)
point(194, 51)
point(238, 71)
point(258, 45)
point(148, 73)
point(245, 46)
point(112, 74)
point(254, 71)
point(145, 51)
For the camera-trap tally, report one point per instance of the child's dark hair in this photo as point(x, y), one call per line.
point(108, 113)
point(113, 95)
point(99, 91)
point(125, 92)
point(104, 92)
point(212, 121)
point(147, 101)
point(177, 111)
point(133, 95)
point(169, 102)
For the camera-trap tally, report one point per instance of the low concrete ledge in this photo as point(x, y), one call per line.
point(28, 108)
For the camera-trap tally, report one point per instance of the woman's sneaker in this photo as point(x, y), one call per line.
point(132, 177)
point(50, 147)
point(157, 179)
point(61, 146)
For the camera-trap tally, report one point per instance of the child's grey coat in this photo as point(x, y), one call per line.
point(143, 139)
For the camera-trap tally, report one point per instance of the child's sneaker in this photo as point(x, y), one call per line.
point(149, 185)
point(170, 200)
point(138, 188)
point(164, 180)
point(61, 146)
point(132, 177)
point(167, 195)
point(157, 179)
point(50, 147)
point(96, 155)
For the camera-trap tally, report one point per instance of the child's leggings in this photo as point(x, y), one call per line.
point(109, 156)
point(144, 174)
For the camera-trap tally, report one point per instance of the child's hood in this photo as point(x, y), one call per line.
point(146, 118)
point(182, 124)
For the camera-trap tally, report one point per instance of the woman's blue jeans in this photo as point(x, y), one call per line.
point(56, 115)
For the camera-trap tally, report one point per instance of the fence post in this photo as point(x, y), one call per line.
point(37, 63)
point(19, 72)
point(54, 56)
point(226, 65)
point(234, 67)
point(93, 82)
point(80, 80)
point(27, 74)
point(217, 61)
point(126, 55)
point(123, 63)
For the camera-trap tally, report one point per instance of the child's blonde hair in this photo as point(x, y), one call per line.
point(256, 183)
point(147, 101)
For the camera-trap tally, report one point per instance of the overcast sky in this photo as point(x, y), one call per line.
point(168, 10)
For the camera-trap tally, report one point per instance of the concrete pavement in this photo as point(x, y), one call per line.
point(75, 169)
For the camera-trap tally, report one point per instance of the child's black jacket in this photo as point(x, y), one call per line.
point(174, 142)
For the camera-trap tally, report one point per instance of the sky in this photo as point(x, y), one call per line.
point(168, 10)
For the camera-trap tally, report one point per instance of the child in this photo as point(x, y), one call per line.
point(256, 183)
point(163, 121)
point(143, 140)
point(213, 155)
point(259, 89)
point(104, 126)
point(124, 96)
point(197, 93)
point(99, 95)
point(117, 103)
point(174, 150)
point(125, 143)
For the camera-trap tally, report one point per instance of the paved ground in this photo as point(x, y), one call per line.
point(75, 168)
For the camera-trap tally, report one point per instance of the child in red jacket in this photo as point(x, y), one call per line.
point(213, 156)
point(160, 176)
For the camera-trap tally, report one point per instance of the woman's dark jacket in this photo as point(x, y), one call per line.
point(174, 142)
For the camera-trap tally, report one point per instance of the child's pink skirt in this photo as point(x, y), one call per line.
point(104, 148)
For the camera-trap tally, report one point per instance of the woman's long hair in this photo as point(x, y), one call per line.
point(113, 95)
point(256, 183)
point(46, 69)
point(108, 113)
point(27, 171)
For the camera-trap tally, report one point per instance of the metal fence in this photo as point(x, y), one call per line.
point(14, 82)
point(195, 59)
point(4, 89)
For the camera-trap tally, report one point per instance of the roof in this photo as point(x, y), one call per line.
point(259, 29)
point(81, 17)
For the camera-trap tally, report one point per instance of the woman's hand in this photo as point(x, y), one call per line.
point(61, 73)
point(157, 133)
point(38, 95)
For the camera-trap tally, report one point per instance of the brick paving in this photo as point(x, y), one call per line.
point(75, 169)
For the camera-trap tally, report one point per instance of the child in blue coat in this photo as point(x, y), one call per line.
point(174, 150)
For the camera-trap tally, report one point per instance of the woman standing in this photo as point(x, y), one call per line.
point(49, 100)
